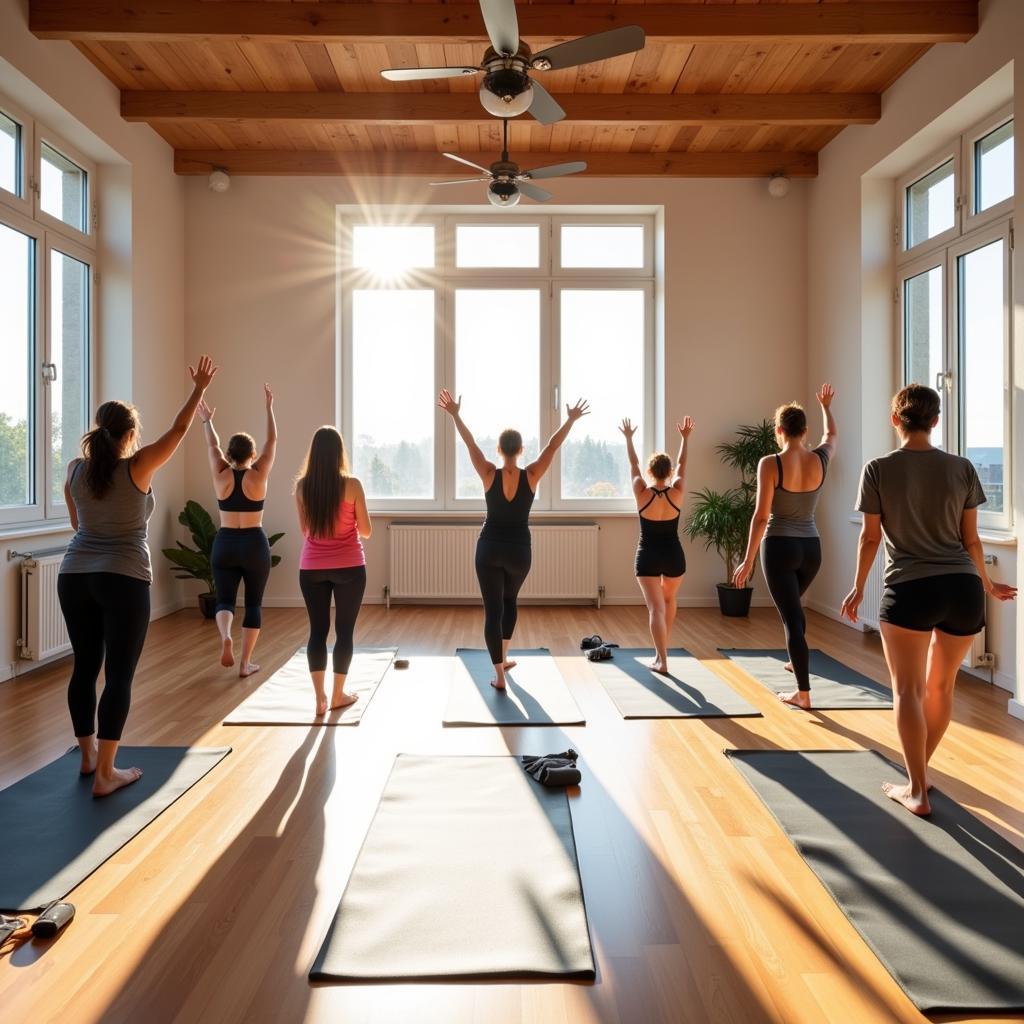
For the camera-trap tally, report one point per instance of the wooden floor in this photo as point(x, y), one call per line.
point(700, 908)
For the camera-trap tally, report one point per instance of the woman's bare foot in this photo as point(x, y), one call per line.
point(90, 755)
point(227, 652)
point(509, 663)
point(321, 704)
point(247, 670)
point(343, 700)
point(498, 684)
point(659, 666)
point(798, 699)
point(902, 794)
point(117, 779)
point(788, 666)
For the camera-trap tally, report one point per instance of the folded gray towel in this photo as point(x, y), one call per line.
point(553, 769)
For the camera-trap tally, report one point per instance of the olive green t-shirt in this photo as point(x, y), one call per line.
point(921, 496)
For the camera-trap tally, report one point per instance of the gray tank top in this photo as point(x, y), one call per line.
point(111, 534)
point(792, 513)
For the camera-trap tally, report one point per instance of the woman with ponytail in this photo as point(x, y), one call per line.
point(333, 517)
point(103, 586)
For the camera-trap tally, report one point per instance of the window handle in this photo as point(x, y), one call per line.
point(49, 372)
point(558, 404)
point(943, 380)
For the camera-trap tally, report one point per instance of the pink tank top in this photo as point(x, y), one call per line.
point(342, 551)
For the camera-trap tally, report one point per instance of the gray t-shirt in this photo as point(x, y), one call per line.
point(921, 497)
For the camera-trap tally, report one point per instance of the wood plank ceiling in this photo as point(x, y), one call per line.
point(723, 87)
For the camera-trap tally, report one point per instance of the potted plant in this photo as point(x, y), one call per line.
point(194, 564)
point(722, 518)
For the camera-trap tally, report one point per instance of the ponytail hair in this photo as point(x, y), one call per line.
point(320, 484)
point(791, 420)
point(105, 445)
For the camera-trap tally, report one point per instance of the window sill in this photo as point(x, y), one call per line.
point(42, 529)
point(999, 538)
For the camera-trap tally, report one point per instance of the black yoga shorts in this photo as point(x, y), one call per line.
point(953, 604)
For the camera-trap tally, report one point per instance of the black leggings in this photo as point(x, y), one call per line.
point(502, 570)
point(790, 565)
point(346, 586)
point(107, 616)
point(241, 555)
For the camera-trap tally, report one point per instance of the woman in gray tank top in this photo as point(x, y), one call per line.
point(924, 503)
point(788, 488)
point(103, 586)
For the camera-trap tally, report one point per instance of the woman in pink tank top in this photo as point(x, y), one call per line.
point(333, 519)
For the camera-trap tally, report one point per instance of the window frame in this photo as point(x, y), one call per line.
point(446, 278)
point(973, 217)
point(87, 238)
point(22, 203)
point(903, 186)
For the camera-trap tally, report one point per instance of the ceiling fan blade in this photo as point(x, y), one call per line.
point(544, 108)
point(587, 49)
point(502, 24)
point(537, 194)
point(415, 74)
point(468, 163)
point(460, 181)
point(557, 170)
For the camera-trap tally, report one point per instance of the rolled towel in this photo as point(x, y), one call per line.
point(553, 769)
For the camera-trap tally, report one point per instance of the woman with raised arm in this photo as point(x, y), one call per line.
point(924, 503)
point(503, 552)
point(660, 563)
point(788, 488)
point(333, 517)
point(241, 552)
point(104, 580)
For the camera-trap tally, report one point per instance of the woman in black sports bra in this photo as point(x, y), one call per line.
point(660, 563)
point(503, 552)
point(241, 552)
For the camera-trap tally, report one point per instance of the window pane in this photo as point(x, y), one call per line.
point(497, 245)
point(388, 250)
point(602, 360)
point(69, 350)
point(16, 348)
point(63, 192)
point(497, 371)
point(393, 395)
point(982, 333)
point(930, 208)
point(10, 150)
point(603, 245)
point(922, 329)
point(993, 168)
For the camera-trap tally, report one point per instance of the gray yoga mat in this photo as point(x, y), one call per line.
point(690, 690)
point(56, 834)
point(940, 900)
point(286, 698)
point(468, 871)
point(535, 694)
point(834, 686)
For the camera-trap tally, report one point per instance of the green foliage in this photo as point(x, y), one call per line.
point(194, 564)
point(722, 518)
point(13, 461)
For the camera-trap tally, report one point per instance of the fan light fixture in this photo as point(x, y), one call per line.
point(506, 103)
point(503, 193)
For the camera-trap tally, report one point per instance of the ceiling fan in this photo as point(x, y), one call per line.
point(507, 182)
point(507, 89)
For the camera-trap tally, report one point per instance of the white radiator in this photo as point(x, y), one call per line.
point(43, 633)
point(434, 561)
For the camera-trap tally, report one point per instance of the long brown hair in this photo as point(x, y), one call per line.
point(320, 484)
point(104, 446)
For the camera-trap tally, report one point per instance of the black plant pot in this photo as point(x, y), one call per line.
point(734, 601)
point(208, 605)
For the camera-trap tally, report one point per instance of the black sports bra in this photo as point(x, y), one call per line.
point(659, 492)
point(236, 501)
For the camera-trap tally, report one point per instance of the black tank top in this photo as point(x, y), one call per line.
point(508, 521)
point(236, 501)
point(655, 531)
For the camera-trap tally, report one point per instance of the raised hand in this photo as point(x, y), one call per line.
point(627, 428)
point(1003, 592)
point(851, 603)
point(203, 373)
point(447, 401)
point(205, 412)
point(269, 395)
point(825, 395)
point(686, 427)
point(574, 412)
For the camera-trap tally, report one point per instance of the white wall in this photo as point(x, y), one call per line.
point(140, 301)
point(260, 294)
point(850, 279)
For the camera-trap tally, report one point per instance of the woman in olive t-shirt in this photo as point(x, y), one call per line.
point(924, 503)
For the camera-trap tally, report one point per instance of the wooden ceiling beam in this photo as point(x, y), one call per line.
point(424, 164)
point(859, 21)
point(462, 108)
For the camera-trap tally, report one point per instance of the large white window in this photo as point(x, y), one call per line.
point(953, 291)
point(517, 314)
point(47, 270)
